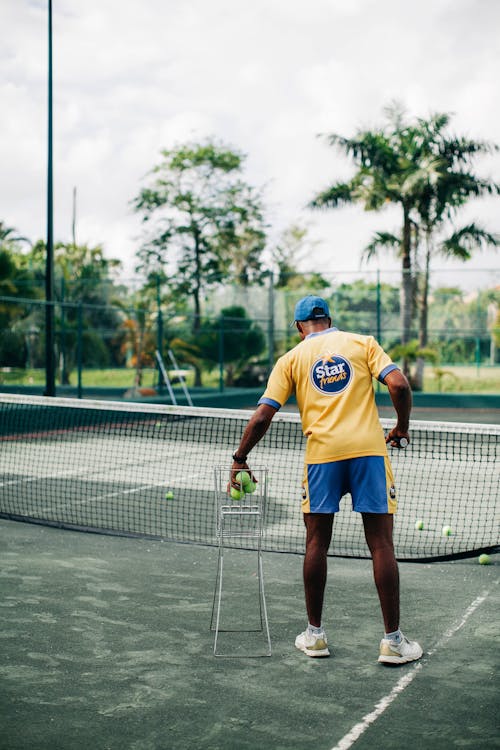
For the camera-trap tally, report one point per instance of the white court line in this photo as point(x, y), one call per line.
point(120, 493)
point(70, 473)
point(360, 728)
point(24, 480)
point(89, 471)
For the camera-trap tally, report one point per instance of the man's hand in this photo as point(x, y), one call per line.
point(398, 438)
point(236, 468)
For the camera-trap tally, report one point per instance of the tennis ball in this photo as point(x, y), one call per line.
point(484, 559)
point(446, 531)
point(419, 525)
point(250, 487)
point(243, 478)
point(236, 494)
point(169, 495)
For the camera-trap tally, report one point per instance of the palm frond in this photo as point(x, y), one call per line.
point(464, 241)
point(336, 195)
point(381, 241)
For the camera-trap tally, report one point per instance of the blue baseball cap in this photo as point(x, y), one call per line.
point(311, 308)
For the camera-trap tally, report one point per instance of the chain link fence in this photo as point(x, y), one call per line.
point(241, 331)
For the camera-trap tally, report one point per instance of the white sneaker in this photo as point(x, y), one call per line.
point(312, 645)
point(399, 653)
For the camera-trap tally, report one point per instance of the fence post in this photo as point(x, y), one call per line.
point(478, 332)
point(379, 316)
point(79, 349)
point(159, 334)
point(221, 353)
point(379, 308)
point(63, 376)
point(270, 330)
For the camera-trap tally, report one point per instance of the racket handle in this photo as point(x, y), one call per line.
point(403, 443)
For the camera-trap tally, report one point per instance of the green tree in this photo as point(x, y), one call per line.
point(461, 327)
point(18, 319)
point(233, 336)
point(85, 286)
point(292, 249)
point(367, 307)
point(204, 223)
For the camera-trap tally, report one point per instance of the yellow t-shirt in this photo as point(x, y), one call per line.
point(331, 373)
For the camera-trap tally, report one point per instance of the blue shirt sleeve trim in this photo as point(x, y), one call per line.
point(269, 402)
point(386, 372)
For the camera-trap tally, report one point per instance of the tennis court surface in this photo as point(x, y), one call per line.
point(106, 639)
point(106, 644)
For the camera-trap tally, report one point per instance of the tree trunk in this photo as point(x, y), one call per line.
point(230, 375)
point(423, 334)
point(138, 363)
point(406, 287)
point(197, 304)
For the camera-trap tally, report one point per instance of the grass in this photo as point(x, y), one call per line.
point(462, 379)
point(446, 379)
point(110, 378)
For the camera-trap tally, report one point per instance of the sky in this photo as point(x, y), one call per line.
point(266, 77)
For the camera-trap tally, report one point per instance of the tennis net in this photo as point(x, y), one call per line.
point(147, 470)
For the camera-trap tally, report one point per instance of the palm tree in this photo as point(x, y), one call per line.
point(417, 167)
point(444, 189)
point(9, 237)
point(388, 161)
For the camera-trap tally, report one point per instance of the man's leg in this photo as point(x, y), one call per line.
point(378, 533)
point(318, 536)
point(395, 648)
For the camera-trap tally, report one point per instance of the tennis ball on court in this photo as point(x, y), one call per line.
point(250, 487)
point(169, 495)
point(243, 478)
point(484, 559)
point(236, 494)
point(446, 531)
point(419, 525)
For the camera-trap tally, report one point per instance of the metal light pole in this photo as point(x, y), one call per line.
point(50, 370)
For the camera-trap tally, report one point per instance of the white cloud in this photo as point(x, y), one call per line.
point(131, 78)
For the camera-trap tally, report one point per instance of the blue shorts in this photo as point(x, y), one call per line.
point(368, 479)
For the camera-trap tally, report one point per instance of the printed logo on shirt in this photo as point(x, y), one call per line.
point(331, 375)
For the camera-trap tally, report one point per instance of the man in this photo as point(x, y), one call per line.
point(331, 373)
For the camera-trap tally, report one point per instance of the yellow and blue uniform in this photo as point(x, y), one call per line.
point(331, 373)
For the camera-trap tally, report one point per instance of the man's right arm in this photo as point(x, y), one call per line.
point(400, 393)
point(254, 431)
